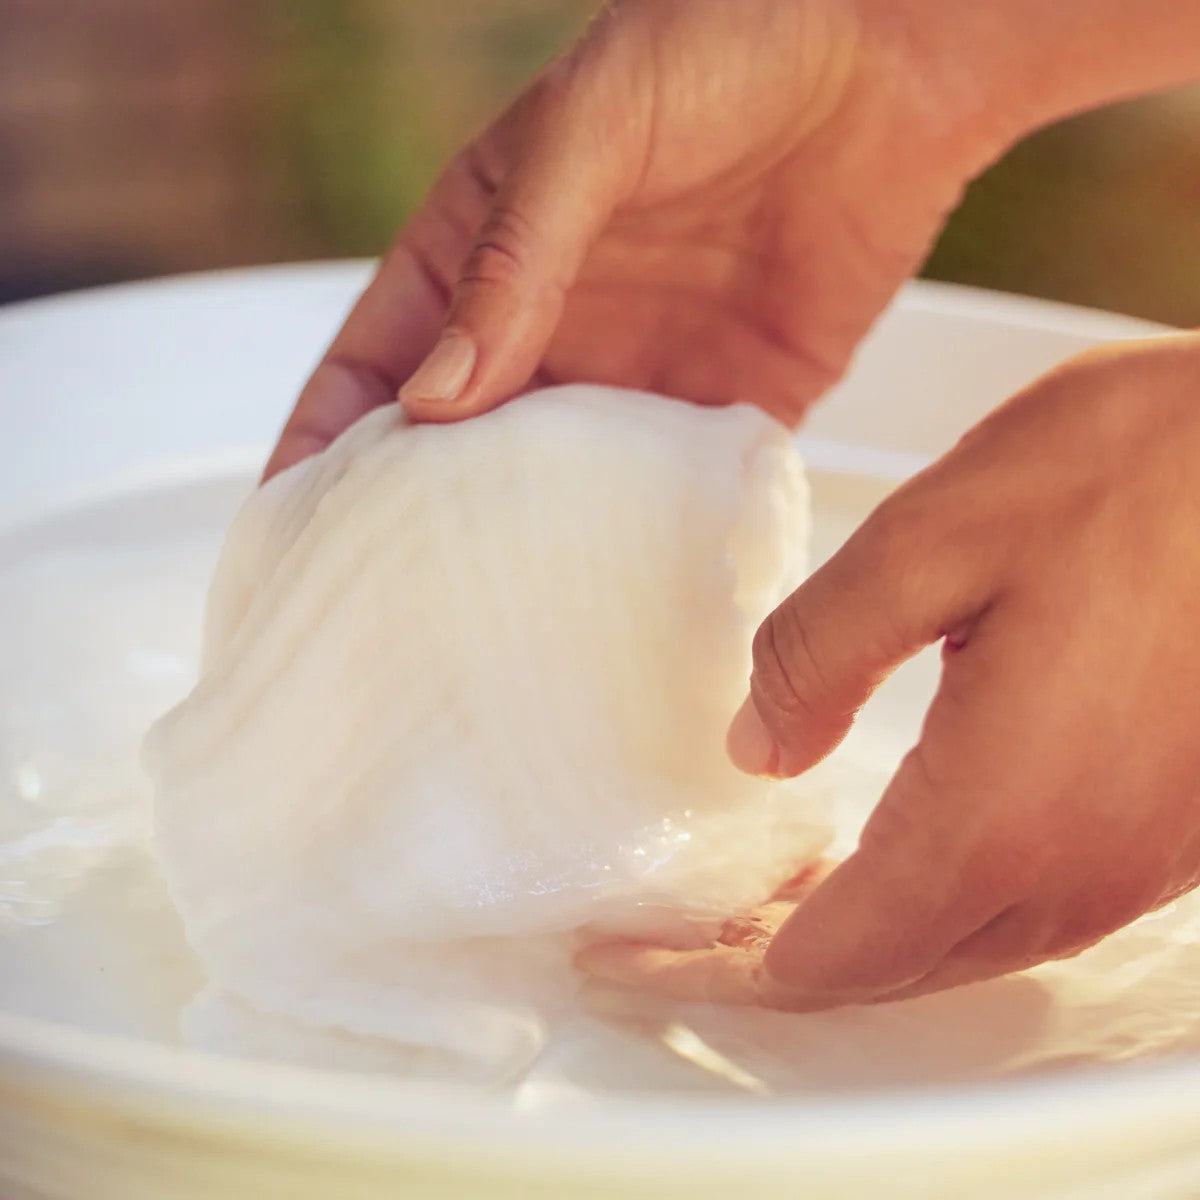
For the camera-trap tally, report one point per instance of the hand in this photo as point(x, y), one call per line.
point(714, 200)
point(729, 971)
point(705, 199)
point(1054, 795)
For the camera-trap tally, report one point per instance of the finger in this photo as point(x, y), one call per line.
point(715, 975)
point(1007, 943)
point(1000, 948)
point(528, 193)
point(890, 591)
point(1073, 916)
point(956, 841)
point(728, 972)
point(566, 174)
point(395, 321)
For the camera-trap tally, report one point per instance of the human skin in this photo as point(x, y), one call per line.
point(1054, 794)
point(707, 199)
point(714, 201)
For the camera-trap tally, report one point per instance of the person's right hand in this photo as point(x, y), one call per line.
point(1052, 796)
point(707, 199)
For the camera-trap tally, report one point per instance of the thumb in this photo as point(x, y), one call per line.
point(918, 884)
point(559, 188)
point(828, 646)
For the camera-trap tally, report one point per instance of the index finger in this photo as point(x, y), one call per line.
point(394, 323)
point(959, 839)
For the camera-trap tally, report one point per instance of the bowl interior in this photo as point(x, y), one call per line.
point(136, 418)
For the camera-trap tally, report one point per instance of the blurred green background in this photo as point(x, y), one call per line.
point(142, 137)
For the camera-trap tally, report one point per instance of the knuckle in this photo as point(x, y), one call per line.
point(786, 671)
point(921, 547)
point(552, 90)
point(901, 826)
point(482, 167)
point(890, 829)
point(884, 540)
point(918, 774)
point(419, 261)
point(893, 545)
point(500, 255)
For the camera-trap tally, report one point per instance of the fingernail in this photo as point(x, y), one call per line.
point(445, 372)
point(751, 748)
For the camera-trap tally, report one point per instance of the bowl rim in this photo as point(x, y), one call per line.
point(160, 1083)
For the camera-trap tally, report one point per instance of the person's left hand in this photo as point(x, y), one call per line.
point(1054, 795)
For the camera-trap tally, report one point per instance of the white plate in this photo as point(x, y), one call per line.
point(171, 391)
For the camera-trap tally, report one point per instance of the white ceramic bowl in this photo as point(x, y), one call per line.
point(112, 391)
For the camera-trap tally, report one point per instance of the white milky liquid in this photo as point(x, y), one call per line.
point(100, 613)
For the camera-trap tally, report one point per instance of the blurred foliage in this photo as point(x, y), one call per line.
point(240, 131)
point(373, 99)
point(354, 173)
point(1099, 210)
